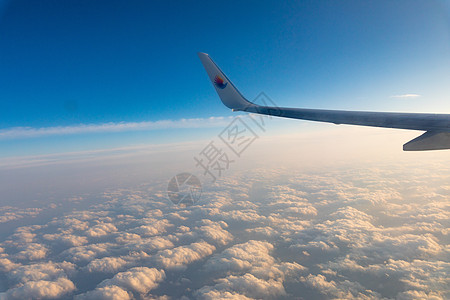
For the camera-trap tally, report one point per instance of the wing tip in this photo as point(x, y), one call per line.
point(429, 141)
point(228, 93)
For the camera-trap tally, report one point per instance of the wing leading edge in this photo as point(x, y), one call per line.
point(437, 126)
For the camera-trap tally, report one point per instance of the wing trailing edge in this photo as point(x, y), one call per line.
point(437, 126)
point(429, 141)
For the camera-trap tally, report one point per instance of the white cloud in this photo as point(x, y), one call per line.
point(149, 244)
point(22, 235)
point(110, 292)
point(40, 289)
point(419, 295)
point(7, 265)
point(41, 271)
point(292, 270)
point(286, 200)
point(417, 275)
point(126, 237)
point(320, 283)
point(247, 285)
point(101, 229)
point(266, 231)
point(30, 132)
point(41, 280)
point(33, 251)
point(87, 252)
point(246, 215)
point(253, 257)
point(214, 232)
point(344, 289)
point(366, 232)
point(8, 213)
point(139, 279)
point(67, 239)
point(242, 257)
point(72, 224)
point(153, 227)
point(406, 96)
point(180, 257)
point(209, 293)
point(106, 264)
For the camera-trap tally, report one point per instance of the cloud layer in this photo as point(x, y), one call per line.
point(31, 132)
point(353, 232)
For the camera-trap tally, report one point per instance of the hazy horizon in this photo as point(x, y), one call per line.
point(108, 122)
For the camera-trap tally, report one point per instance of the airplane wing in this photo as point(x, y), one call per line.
point(436, 126)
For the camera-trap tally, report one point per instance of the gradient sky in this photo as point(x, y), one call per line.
point(69, 63)
point(102, 103)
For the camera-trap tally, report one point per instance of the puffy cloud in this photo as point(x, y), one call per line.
point(139, 279)
point(71, 223)
point(97, 215)
point(126, 237)
point(358, 232)
point(416, 275)
point(110, 292)
point(136, 280)
point(33, 251)
point(242, 257)
point(432, 211)
point(253, 257)
point(101, 229)
point(41, 280)
point(320, 283)
point(150, 244)
point(317, 245)
point(66, 239)
point(419, 295)
point(247, 285)
point(347, 226)
point(9, 213)
point(291, 270)
point(209, 293)
point(153, 227)
point(87, 252)
point(41, 289)
point(41, 271)
point(23, 235)
point(245, 215)
point(287, 225)
point(106, 264)
point(180, 257)
point(289, 201)
point(404, 246)
point(342, 290)
point(214, 232)
point(266, 232)
point(7, 265)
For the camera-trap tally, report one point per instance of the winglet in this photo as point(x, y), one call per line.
point(226, 90)
point(429, 141)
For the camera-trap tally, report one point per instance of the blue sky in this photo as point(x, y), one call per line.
point(69, 63)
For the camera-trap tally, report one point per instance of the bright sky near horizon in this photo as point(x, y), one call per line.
point(70, 65)
point(109, 124)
